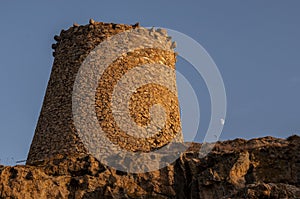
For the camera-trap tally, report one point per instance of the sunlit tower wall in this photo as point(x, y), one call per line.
point(56, 133)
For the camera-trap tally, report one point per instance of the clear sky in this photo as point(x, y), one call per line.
point(255, 45)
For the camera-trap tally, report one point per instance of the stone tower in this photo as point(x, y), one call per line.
point(56, 132)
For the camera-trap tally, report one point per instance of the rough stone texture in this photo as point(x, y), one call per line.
point(258, 168)
point(56, 133)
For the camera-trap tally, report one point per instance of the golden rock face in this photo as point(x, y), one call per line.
point(56, 132)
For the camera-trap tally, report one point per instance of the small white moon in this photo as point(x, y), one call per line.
point(222, 121)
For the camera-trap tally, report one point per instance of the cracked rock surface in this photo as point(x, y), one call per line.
point(259, 168)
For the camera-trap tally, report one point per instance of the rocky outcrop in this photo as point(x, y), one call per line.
point(258, 168)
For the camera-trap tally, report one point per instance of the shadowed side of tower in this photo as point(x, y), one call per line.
point(56, 133)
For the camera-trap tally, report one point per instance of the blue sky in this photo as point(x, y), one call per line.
point(255, 45)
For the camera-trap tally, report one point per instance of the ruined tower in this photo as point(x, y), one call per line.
point(56, 132)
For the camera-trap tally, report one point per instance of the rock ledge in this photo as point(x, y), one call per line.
point(259, 168)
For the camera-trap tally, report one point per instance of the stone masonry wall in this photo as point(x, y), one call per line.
point(56, 132)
